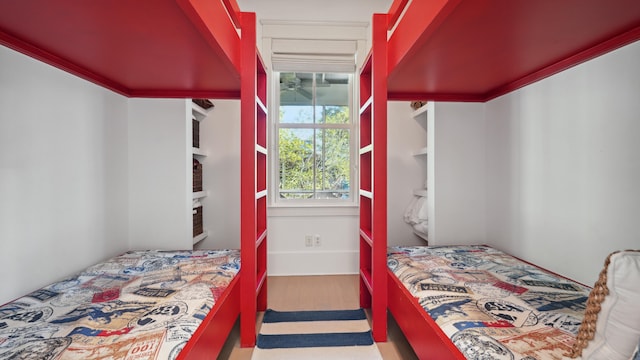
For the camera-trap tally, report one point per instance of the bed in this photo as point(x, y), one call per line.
point(486, 303)
point(199, 49)
point(464, 51)
point(139, 305)
point(476, 302)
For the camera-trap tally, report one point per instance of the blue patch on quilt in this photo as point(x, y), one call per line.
point(447, 308)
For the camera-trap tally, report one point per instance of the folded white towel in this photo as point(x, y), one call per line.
point(421, 227)
point(423, 213)
point(408, 212)
point(416, 211)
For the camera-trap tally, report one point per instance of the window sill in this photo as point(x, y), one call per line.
point(313, 210)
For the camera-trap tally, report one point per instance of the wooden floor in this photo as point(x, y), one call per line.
point(333, 292)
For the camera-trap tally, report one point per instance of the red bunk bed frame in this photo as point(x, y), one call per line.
point(170, 49)
point(454, 50)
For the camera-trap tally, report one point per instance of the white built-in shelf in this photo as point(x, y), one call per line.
point(200, 237)
point(261, 149)
point(367, 194)
point(420, 192)
point(421, 151)
point(420, 116)
point(199, 152)
point(199, 112)
point(420, 112)
point(200, 194)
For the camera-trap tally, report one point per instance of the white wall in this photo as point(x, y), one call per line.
point(160, 174)
point(308, 10)
point(338, 250)
point(563, 166)
point(63, 174)
point(456, 173)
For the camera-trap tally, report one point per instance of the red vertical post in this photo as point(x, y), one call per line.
point(248, 203)
point(379, 180)
point(364, 187)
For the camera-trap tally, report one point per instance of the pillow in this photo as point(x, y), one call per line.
point(610, 329)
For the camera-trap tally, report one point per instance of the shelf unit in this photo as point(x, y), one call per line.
point(253, 182)
point(420, 152)
point(422, 156)
point(373, 181)
point(420, 192)
point(198, 113)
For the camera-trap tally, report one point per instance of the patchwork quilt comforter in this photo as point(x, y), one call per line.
point(140, 305)
point(490, 304)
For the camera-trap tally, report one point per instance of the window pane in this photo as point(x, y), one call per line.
point(296, 89)
point(296, 163)
point(332, 92)
point(314, 129)
point(332, 164)
point(294, 114)
point(332, 114)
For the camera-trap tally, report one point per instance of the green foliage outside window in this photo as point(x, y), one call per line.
point(315, 162)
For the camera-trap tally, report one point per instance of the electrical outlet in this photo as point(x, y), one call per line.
point(308, 240)
point(316, 240)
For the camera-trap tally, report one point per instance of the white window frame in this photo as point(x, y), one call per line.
point(274, 198)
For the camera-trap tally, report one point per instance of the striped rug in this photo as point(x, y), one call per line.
point(327, 334)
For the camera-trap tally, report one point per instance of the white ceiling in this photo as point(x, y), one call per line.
point(314, 10)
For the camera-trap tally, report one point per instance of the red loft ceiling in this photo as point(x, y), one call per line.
point(136, 47)
point(469, 50)
point(475, 50)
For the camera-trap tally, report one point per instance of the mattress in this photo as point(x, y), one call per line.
point(490, 304)
point(139, 305)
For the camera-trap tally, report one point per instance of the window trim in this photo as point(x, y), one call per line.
point(273, 184)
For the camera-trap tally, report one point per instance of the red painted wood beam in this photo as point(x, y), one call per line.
point(210, 18)
point(209, 338)
point(248, 184)
point(396, 9)
point(566, 63)
point(234, 12)
point(379, 184)
point(63, 64)
point(420, 21)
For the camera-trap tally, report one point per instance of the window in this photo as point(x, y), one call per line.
point(314, 135)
